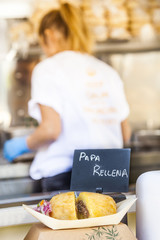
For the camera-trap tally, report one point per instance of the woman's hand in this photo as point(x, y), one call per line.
point(14, 148)
point(48, 131)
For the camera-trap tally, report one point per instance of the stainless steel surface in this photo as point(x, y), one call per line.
point(12, 171)
point(145, 152)
point(19, 168)
point(132, 46)
point(16, 74)
point(14, 178)
point(12, 187)
point(143, 162)
point(18, 200)
point(146, 138)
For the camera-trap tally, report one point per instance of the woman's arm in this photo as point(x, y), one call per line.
point(48, 130)
point(126, 131)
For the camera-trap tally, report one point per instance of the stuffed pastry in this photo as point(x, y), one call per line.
point(64, 206)
point(90, 205)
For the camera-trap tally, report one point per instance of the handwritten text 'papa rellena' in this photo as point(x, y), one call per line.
point(97, 170)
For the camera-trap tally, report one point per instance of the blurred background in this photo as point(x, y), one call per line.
point(127, 35)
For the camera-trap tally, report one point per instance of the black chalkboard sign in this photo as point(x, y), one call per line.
point(100, 169)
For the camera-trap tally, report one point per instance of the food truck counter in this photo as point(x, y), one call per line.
point(15, 222)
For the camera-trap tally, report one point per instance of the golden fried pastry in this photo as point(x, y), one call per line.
point(63, 206)
point(90, 205)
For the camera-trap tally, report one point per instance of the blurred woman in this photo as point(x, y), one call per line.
point(78, 100)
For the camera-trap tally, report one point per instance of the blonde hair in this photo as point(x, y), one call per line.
point(69, 20)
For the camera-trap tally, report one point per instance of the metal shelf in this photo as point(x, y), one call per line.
point(112, 47)
point(131, 46)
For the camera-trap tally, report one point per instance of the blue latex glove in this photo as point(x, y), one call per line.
point(15, 147)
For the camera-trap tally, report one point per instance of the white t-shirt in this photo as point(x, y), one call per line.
point(89, 97)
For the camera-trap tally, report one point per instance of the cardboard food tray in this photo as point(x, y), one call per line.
point(115, 232)
point(122, 209)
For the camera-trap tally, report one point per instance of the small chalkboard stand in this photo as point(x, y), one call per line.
point(101, 170)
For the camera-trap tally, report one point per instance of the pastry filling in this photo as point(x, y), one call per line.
point(44, 207)
point(82, 209)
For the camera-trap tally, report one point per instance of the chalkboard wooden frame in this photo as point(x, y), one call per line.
point(101, 169)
